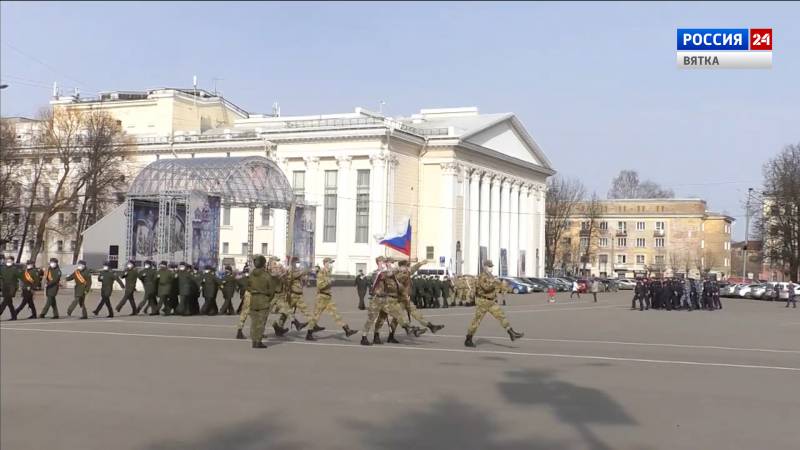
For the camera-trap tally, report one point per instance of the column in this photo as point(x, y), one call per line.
point(505, 219)
point(446, 213)
point(314, 187)
point(494, 223)
point(535, 231)
point(513, 233)
point(377, 207)
point(485, 189)
point(345, 214)
point(472, 243)
point(524, 230)
point(463, 191)
point(280, 219)
point(541, 217)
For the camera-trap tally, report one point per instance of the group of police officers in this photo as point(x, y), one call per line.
point(270, 287)
point(676, 294)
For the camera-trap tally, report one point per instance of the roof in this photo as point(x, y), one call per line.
point(462, 125)
point(239, 181)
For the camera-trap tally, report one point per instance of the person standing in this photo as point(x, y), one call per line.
point(575, 290)
point(241, 286)
point(447, 286)
point(130, 275)
point(595, 288)
point(384, 291)
point(362, 285)
point(229, 286)
point(10, 277)
point(164, 279)
point(83, 284)
point(325, 302)
point(174, 292)
point(209, 284)
point(293, 300)
point(261, 286)
point(106, 278)
point(638, 295)
point(791, 295)
point(52, 279)
point(185, 282)
point(149, 278)
point(30, 279)
point(487, 303)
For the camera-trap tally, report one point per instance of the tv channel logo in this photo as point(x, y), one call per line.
point(724, 48)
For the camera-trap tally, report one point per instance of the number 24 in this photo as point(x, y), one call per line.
point(761, 40)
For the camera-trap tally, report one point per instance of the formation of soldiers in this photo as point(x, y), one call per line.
point(270, 287)
point(676, 294)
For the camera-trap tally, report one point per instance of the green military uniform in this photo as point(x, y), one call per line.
point(325, 303)
point(185, 290)
point(488, 287)
point(261, 285)
point(174, 290)
point(166, 280)
point(404, 284)
point(446, 285)
point(385, 291)
point(241, 286)
point(10, 277)
point(209, 284)
point(107, 278)
point(244, 306)
point(149, 278)
point(289, 298)
point(130, 276)
point(83, 284)
point(436, 288)
point(30, 279)
point(52, 278)
point(229, 286)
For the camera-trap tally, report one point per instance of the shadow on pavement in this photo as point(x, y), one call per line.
point(578, 406)
point(448, 423)
point(262, 433)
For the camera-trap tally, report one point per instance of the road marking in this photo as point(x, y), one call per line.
point(433, 349)
point(510, 308)
point(540, 310)
point(65, 321)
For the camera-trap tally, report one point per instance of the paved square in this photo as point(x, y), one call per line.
point(586, 376)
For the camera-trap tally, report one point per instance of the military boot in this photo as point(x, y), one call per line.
point(468, 342)
point(299, 325)
point(278, 330)
point(434, 328)
point(310, 336)
point(239, 334)
point(317, 328)
point(514, 335)
point(376, 339)
point(365, 341)
point(391, 339)
point(348, 332)
point(259, 345)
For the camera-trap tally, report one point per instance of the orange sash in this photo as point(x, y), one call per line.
point(49, 277)
point(79, 277)
point(28, 277)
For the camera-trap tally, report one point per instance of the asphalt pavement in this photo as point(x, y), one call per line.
point(585, 376)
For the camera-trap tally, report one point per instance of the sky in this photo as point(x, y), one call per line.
point(595, 84)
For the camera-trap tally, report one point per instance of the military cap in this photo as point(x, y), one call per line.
point(82, 262)
point(328, 260)
point(55, 260)
point(229, 268)
point(209, 267)
point(260, 258)
point(30, 262)
point(403, 262)
point(163, 263)
point(295, 259)
point(488, 263)
point(274, 258)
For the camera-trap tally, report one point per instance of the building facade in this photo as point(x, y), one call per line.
point(646, 237)
point(471, 184)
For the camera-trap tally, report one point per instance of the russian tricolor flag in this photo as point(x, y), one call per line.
point(400, 242)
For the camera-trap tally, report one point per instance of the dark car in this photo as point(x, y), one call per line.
point(536, 285)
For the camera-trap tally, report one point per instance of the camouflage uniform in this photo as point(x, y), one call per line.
point(261, 287)
point(385, 291)
point(325, 301)
point(488, 288)
point(404, 286)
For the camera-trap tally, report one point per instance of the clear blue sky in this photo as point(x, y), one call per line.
point(595, 84)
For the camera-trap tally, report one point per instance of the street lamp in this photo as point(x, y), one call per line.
point(3, 86)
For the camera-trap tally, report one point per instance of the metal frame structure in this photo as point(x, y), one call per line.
point(249, 181)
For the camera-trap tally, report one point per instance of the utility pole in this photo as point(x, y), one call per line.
point(746, 234)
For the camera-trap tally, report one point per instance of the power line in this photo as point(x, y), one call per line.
point(49, 66)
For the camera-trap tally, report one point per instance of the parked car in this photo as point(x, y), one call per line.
point(728, 290)
point(744, 290)
point(758, 292)
point(561, 285)
point(608, 285)
point(517, 287)
point(536, 284)
point(626, 284)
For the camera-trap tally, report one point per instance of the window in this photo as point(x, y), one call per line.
point(264, 248)
point(585, 225)
point(622, 226)
point(659, 260)
point(244, 248)
point(61, 218)
point(703, 261)
point(226, 215)
point(16, 218)
point(727, 262)
point(622, 242)
point(602, 259)
point(73, 218)
point(604, 225)
point(299, 185)
point(15, 245)
point(265, 212)
point(604, 242)
point(72, 245)
point(702, 227)
point(727, 245)
point(30, 245)
point(639, 259)
point(362, 207)
point(639, 226)
point(428, 252)
point(702, 243)
point(659, 242)
point(329, 225)
point(660, 226)
point(640, 242)
point(226, 248)
point(622, 259)
point(59, 246)
point(584, 243)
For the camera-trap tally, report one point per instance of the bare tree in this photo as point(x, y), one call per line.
point(590, 230)
point(628, 185)
point(101, 172)
point(9, 182)
point(562, 197)
point(780, 223)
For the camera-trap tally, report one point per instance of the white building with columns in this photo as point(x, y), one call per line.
point(471, 184)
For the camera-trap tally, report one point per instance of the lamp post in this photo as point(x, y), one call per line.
point(746, 235)
point(3, 86)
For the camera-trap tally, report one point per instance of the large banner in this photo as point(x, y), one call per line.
point(177, 233)
point(204, 213)
point(303, 233)
point(145, 235)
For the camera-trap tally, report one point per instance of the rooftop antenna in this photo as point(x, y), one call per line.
point(215, 83)
point(55, 89)
point(276, 110)
point(380, 107)
point(77, 93)
point(194, 83)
